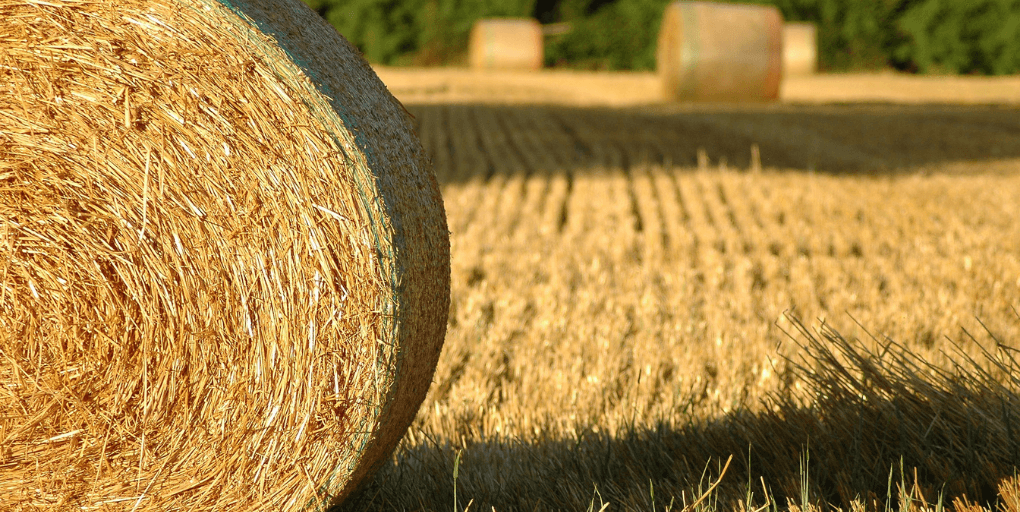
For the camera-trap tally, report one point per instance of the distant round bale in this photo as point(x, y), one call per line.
point(224, 260)
point(800, 49)
point(720, 52)
point(506, 44)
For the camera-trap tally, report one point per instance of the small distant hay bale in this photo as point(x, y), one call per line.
point(720, 52)
point(800, 49)
point(224, 260)
point(506, 44)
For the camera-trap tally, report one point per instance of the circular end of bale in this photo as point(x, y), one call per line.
point(800, 49)
point(506, 44)
point(224, 259)
point(720, 52)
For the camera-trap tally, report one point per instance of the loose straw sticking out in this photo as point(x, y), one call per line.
point(224, 264)
point(718, 52)
point(506, 43)
point(800, 49)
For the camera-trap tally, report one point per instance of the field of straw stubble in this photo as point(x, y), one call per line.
point(637, 298)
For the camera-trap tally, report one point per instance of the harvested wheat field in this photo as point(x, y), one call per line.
point(637, 298)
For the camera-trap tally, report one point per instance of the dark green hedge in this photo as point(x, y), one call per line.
point(965, 36)
point(928, 36)
point(421, 32)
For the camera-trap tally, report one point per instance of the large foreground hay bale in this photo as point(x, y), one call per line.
point(720, 52)
point(506, 43)
point(800, 49)
point(224, 261)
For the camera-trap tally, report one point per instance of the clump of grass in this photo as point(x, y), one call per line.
point(872, 429)
point(867, 410)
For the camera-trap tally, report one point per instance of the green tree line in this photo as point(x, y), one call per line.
point(926, 36)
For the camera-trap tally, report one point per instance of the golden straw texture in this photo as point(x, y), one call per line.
point(506, 43)
point(224, 261)
point(800, 49)
point(719, 52)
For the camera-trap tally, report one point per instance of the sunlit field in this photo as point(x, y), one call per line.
point(769, 306)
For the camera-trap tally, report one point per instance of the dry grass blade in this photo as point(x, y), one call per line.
point(708, 492)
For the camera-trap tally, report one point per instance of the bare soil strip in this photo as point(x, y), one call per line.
point(584, 88)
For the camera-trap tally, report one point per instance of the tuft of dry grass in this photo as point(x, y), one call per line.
point(871, 429)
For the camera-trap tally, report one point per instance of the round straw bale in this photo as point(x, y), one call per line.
point(720, 52)
point(224, 260)
point(506, 43)
point(800, 49)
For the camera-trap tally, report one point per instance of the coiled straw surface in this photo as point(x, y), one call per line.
point(224, 261)
point(711, 51)
point(506, 43)
point(800, 48)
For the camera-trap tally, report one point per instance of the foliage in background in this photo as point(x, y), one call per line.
point(928, 36)
point(961, 36)
point(853, 34)
point(420, 32)
point(619, 35)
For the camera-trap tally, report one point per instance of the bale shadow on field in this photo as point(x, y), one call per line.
point(472, 141)
point(870, 426)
